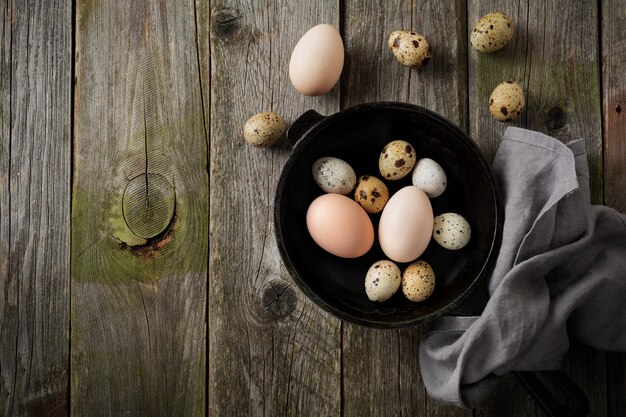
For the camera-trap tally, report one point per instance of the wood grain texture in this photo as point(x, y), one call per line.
point(35, 92)
point(371, 72)
point(158, 86)
point(616, 384)
point(139, 270)
point(508, 399)
point(613, 44)
point(557, 64)
point(614, 101)
point(380, 368)
point(271, 351)
point(554, 56)
point(587, 368)
point(8, 290)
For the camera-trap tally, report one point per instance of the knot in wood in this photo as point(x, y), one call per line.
point(556, 118)
point(226, 22)
point(279, 299)
point(148, 205)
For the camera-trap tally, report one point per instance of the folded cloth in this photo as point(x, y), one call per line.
point(560, 273)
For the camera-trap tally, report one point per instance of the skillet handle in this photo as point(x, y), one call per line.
point(576, 402)
point(303, 124)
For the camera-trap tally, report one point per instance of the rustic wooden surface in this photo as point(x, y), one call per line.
point(614, 102)
point(271, 351)
point(614, 134)
point(35, 159)
point(177, 303)
point(139, 212)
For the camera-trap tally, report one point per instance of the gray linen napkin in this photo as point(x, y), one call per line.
point(561, 273)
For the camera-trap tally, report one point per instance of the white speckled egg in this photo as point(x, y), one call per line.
point(396, 160)
point(334, 175)
point(382, 281)
point(492, 32)
point(429, 177)
point(452, 231)
point(411, 49)
point(507, 101)
point(418, 281)
point(264, 129)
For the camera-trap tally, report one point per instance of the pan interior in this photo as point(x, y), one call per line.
point(338, 284)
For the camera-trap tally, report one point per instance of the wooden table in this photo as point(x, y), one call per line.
point(139, 274)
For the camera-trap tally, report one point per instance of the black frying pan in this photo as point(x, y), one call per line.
point(357, 136)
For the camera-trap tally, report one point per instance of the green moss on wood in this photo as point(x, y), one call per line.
point(105, 250)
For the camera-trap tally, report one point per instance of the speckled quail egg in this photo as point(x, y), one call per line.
point(411, 49)
point(396, 160)
point(452, 231)
point(382, 281)
point(371, 193)
point(334, 175)
point(507, 101)
point(264, 129)
point(418, 281)
point(492, 32)
point(429, 177)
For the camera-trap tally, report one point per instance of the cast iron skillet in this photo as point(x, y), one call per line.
point(357, 136)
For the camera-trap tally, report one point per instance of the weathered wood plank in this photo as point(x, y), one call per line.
point(140, 212)
point(587, 368)
point(614, 102)
point(381, 373)
point(371, 72)
point(616, 383)
point(272, 352)
point(380, 368)
point(203, 43)
point(35, 155)
point(614, 111)
point(8, 291)
point(557, 65)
